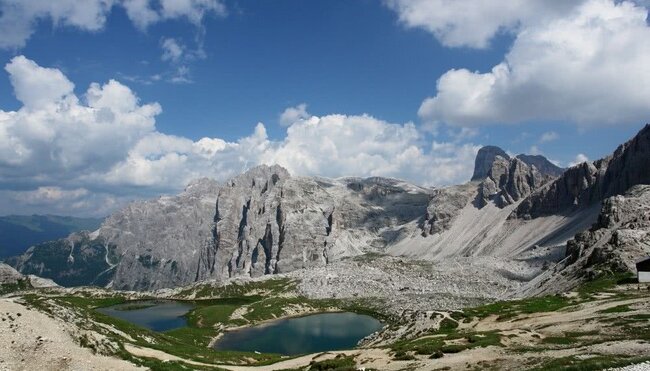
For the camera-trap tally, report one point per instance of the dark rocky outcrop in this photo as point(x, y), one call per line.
point(619, 238)
point(484, 159)
point(507, 181)
point(543, 165)
point(591, 182)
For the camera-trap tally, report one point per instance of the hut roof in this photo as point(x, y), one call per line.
point(643, 265)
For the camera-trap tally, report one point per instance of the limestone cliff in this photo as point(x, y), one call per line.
point(262, 222)
point(619, 238)
point(508, 181)
point(590, 182)
point(484, 160)
point(266, 221)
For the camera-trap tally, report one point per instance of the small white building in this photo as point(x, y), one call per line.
point(643, 270)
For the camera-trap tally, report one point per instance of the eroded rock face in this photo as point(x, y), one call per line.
point(267, 222)
point(261, 222)
point(543, 165)
point(580, 186)
point(158, 242)
point(508, 181)
point(503, 181)
point(619, 238)
point(484, 160)
point(588, 183)
point(444, 207)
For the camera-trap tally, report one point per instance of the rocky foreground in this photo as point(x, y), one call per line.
point(31, 340)
point(601, 324)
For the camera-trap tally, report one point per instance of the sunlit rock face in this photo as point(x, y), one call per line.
point(266, 221)
point(262, 222)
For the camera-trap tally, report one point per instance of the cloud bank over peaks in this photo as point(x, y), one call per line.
point(88, 154)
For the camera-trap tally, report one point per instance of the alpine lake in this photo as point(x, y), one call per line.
point(288, 336)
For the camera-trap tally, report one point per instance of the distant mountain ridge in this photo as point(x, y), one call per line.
point(266, 221)
point(19, 232)
point(542, 164)
point(488, 154)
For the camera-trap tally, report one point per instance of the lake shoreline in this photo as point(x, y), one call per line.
point(308, 333)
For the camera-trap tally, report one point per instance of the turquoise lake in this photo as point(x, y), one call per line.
point(300, 335)
point(290, 336)
point(156, 315)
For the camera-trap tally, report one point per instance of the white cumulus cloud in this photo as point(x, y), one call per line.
point(549, 136)
point(294, 114)
point(588, 66)
point(580, 158)
point(473, 23)
point(18, 18)
point(94, 152)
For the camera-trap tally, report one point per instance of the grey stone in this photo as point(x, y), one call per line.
point(484, 159)
point(590, 182)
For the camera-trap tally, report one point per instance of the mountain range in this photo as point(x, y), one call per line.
point(19, 232)
point(567, 223)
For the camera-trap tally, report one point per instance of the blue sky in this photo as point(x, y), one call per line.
point(244, 62)
point(347, 57)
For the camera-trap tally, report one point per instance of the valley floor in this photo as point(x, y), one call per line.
point(407, 285)
point(602, 324)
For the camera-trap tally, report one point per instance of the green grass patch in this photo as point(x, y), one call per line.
point(339, 363)
point(212, 311)
point(91, 303)
point(449, 343)
point(509, 309)
point(639, 317)
point(571, 338)
point(20, 285)
point(604, 283)
point(617, 309)
point(401, 355)
point(447, 326)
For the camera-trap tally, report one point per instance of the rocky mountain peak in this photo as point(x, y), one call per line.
point(484, 159)
point(259, 175)
point(202, 186)
point(507, 181)
point(542, 164)
point(265, 221)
